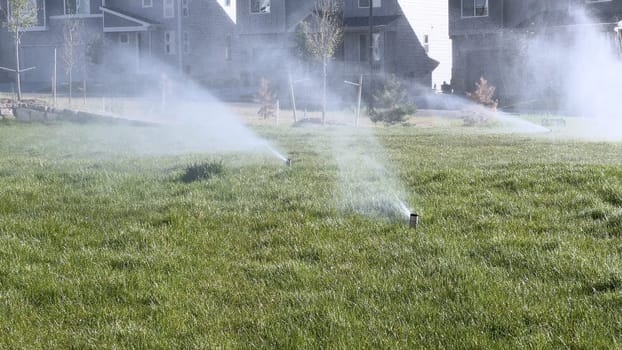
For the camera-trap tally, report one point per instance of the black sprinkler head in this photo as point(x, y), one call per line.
point(414, 220)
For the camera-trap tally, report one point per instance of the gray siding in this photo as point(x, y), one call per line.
point(208, 28)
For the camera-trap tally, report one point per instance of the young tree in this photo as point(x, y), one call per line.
point(323, 34)
point(72, 49)
point(391, 104)
point(20, 16)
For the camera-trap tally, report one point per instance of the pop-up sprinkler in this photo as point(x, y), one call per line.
point(414, 221)
point(288, 162)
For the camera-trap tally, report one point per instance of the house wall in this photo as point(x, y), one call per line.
point(37, 50)
point(430, 17)
point(209, 26)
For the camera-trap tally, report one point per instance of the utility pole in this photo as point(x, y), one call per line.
point(370, 40)
point(370, 57)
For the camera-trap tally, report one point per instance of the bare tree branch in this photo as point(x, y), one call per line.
point(323, 34)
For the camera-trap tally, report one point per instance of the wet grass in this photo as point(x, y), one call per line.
point(101, 245)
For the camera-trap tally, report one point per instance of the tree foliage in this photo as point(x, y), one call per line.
point(391, 104)
point(323, 31)
point(483, 94)
point(20, 16)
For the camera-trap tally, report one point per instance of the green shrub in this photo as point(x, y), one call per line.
point(391, 103)
point(202, 171)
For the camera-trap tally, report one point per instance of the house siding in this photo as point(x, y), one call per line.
point(430, 17)
point(490, 47)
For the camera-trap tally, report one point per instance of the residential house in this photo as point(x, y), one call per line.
point(407, 37)
point(489, 37)
point(122, 40)
point(228, 42)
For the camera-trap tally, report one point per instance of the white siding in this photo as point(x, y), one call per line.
point(431, 17)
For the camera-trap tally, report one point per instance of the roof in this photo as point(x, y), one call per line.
point(117, 21)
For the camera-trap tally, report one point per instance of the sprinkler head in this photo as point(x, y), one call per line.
point(414, 220)
point(288, 162)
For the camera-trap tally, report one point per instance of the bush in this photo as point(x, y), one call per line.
point(202, 171)
point(483, 94)
point(391, 103)
point(267, 99)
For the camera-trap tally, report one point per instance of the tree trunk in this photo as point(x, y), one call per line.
point(18, 81)
point(325, 74)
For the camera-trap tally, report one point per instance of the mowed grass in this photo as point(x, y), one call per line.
point(102, 245)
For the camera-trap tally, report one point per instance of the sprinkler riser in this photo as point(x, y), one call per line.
point(288, 162)
point(414, 221)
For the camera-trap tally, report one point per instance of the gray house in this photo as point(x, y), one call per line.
point(121, 40)
point(266, 30)
point(226, 42)
point(491, 38)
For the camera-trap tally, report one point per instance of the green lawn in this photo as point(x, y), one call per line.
point(103, 246)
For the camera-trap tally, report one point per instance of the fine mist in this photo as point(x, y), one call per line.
point(367, 185)
point(579, 68)
point(184, 117)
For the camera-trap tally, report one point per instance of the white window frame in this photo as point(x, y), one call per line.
point(147, 3)
point(376, 3)
point(474, 14)
point(259, 12)
point(168, 9)
point(78, 11)
point(185, 8)
point(169, 43)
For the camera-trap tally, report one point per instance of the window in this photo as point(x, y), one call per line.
point(124, 38)
point(185, 42)
point(363, 48)
point(365, 3)
point(376, 49)
point(474, 8)
point(169, 42)
point(260, 6)
point(147, 3)
point(227, 3)
point(426, 43)
point(82, 7)
point(169, 8)
point(185, 10)
point(228, 48)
